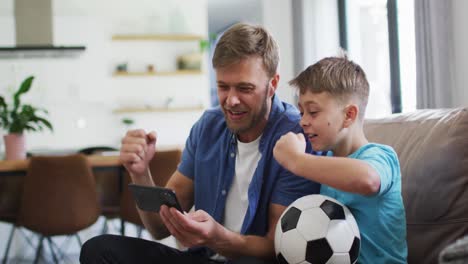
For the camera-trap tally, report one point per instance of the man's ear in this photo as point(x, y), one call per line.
point(351, 114)
point(273, 85)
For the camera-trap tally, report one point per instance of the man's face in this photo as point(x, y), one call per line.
point(322, 120)
point(244, 92)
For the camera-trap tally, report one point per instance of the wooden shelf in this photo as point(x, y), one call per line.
point(156, 109)
point(173, 73)
point(156, 73)
point(157, 37)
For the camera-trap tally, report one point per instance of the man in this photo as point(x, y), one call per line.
point(227, 170)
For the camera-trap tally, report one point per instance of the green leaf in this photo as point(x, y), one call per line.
point(24, 88)
point(2, 102)
point(30, 128)
point(22, 117)
point(46, 123)
point(128, 121)
point(204, 44)
point(3, 113)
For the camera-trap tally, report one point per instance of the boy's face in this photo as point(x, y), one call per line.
point(322, 119)
point(244, 92)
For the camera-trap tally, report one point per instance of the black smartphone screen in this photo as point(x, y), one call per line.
point(150, 198)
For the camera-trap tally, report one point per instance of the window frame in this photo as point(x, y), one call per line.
point(394, 49)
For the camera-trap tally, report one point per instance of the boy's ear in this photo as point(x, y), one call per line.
point(351, 114)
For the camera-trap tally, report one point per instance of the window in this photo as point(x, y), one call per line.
point(407, 45)
point(379, 36)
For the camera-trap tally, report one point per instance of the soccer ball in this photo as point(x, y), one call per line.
point(317, 229)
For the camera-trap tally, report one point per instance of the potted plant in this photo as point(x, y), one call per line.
point(17, 118)
point(193, 60)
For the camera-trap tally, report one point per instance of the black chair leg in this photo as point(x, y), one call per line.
point(7, 249)
point(28, 238)
point(49, 240)
point(79, 240)
point(61, 255)
point(105, 227)
point(122, 227)
point(39, 249)
point(139, 231)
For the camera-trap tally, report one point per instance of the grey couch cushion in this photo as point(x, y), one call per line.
point(432, 146)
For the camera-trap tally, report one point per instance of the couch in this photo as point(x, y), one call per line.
point(432, 146)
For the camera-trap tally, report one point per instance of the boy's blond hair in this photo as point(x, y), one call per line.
point(244, 40)
point(337, 76)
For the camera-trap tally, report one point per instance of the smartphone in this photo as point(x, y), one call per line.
point(150, 198)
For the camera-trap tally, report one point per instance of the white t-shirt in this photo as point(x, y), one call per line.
point(237, 201)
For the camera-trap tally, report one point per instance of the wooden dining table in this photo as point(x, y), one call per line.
point(97, 162)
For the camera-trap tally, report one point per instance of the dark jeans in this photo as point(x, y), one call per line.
point(120, 249)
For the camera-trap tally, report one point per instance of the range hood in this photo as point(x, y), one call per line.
point(34, 30)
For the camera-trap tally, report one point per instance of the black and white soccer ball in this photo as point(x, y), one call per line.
point(317, 229)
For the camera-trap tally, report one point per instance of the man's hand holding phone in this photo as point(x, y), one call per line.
point(151, 198)
point(196, 228)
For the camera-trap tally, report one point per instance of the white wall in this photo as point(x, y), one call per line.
point(277, 19)
point(460, 93)
point(80, 93)
point(224, 13)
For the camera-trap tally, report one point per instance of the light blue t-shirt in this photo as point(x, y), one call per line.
point(381, 217)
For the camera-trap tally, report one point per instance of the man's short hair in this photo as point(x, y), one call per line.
point(244, 40)
point(338, 76)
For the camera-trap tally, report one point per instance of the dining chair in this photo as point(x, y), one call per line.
point(11, 188)
point(162, 166)
point(108, 185)
point(59, 198)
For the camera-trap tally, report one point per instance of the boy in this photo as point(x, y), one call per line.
point(364, 176)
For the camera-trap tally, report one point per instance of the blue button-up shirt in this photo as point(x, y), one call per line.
point(209, 160)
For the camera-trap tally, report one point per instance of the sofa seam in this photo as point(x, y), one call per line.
point(457, 221)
